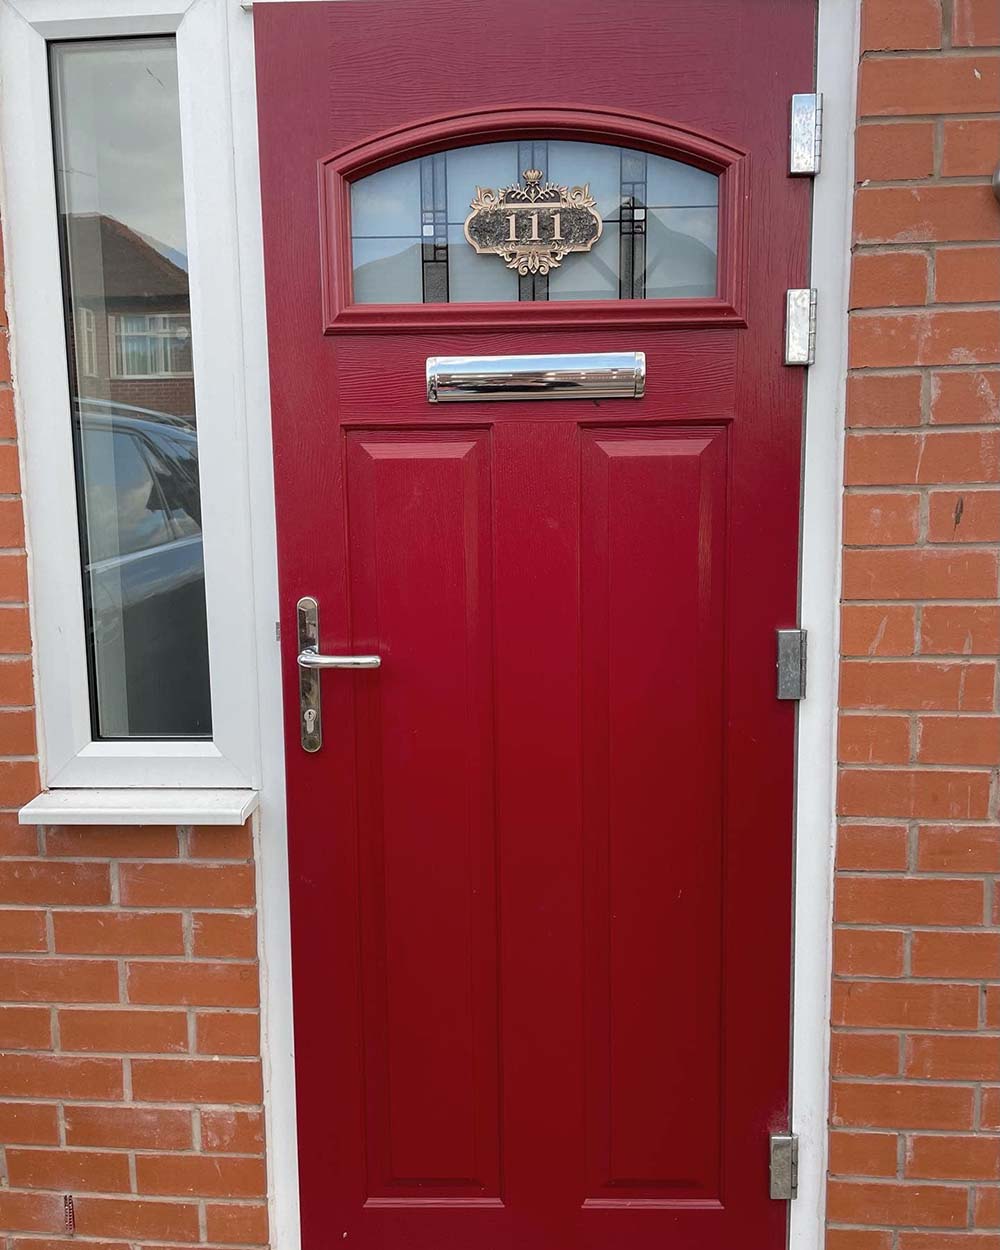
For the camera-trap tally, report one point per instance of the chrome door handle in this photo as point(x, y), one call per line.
point(311, 658)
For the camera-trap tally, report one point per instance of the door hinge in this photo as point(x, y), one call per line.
point(791, 664)
point(784, 1165)
point(806, 145)
point(800, 326)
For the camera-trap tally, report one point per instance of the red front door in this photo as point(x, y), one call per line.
point(541, 864)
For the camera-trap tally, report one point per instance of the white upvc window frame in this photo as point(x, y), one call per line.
point(70, 756)
point(157, 336)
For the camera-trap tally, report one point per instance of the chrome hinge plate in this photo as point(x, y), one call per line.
point(791, 664)
point(806, 145)
point(800, 326)
point(784, 1165)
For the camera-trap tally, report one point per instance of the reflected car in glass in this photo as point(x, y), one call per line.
point(144, 572)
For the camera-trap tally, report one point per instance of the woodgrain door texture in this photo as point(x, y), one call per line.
point(541, 867)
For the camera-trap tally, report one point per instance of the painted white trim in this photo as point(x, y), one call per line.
point(140, 807)
point(69, 756)
point(816, 773)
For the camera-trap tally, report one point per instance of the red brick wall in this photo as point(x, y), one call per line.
point(130, 1077)
point(914, 1144)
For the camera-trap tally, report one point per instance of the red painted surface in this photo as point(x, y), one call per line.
point(541, 869)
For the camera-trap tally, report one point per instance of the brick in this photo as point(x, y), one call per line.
point(29, 1124)
point(919, 793)
point(222, 1177)
point(13, 577)
point(11, 523)
point(111, 842)
point(933, 1206)
point(905, 1005)
point(963, 397)
point(8, 421)
point(196, 1080)
point(935, 337)
point(63, 885)
point(19, 781)
point(926, 214)
point(225, 936)
point(953, 1158)
point(889, 279)
point(989, 1114)
point(962, 457)
point(142, 1128)
point(872, 848)
point(58, 980)
point(186, 885)
point(969, 146)
point(10, 472)
point(916, 686)
point(864, 1054)
point(975, 22)
point(31, 1212)
point(221, 842)
point(955, 1058)
point(960, 629)
point(863, 1154)
point(16, 683)
point(916, 85)
point(967, 275)
point(200, 984)
point(45, 1243)
point(25, 1028)
point(887, 152)
point(868, 952)
point(992, 997)
point(964, 516)
point(946, 1241)
point(958, 848)
point(22, 931)
point(137, 1218)
point(228, 1033)
point(874, 739)
point(877, 629)
point(118, 933)
point(232, 1132)
point(59, 1076)
point(987, 1208)
point(232, 1224)
point(882, 459)
point(884, 401)
point(15, 631)
point(858, 1239)
point(893, 25)
point(17, 732)
point(908, 901)
point(958, 740)
point(132, 1032)
point(899, 1106)
point(960, 955)
point(70, 1170)
point(16, 840)
point(881, 520)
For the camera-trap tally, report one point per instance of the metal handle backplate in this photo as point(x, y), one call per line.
point(311, 661)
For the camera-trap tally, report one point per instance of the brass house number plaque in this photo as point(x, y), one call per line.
point(533, 226)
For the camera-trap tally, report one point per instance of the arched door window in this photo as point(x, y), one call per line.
point(659, 238)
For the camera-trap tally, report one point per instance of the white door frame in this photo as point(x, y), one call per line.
point(229, 24)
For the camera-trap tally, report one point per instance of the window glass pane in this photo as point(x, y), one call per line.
point(659, 239)
point(121, 204)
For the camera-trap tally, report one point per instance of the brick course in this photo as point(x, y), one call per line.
point(914, 1151)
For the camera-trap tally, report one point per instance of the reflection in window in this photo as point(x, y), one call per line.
point(121, 204)
point(660, 238)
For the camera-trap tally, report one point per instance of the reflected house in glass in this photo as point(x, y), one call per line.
point(131, 324)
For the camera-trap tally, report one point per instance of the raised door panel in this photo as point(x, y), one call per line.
point(420, 546)
point(652, 585)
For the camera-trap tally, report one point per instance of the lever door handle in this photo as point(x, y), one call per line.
point(309, 657)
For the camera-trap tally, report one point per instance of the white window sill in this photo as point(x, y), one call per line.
point(139, 807)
